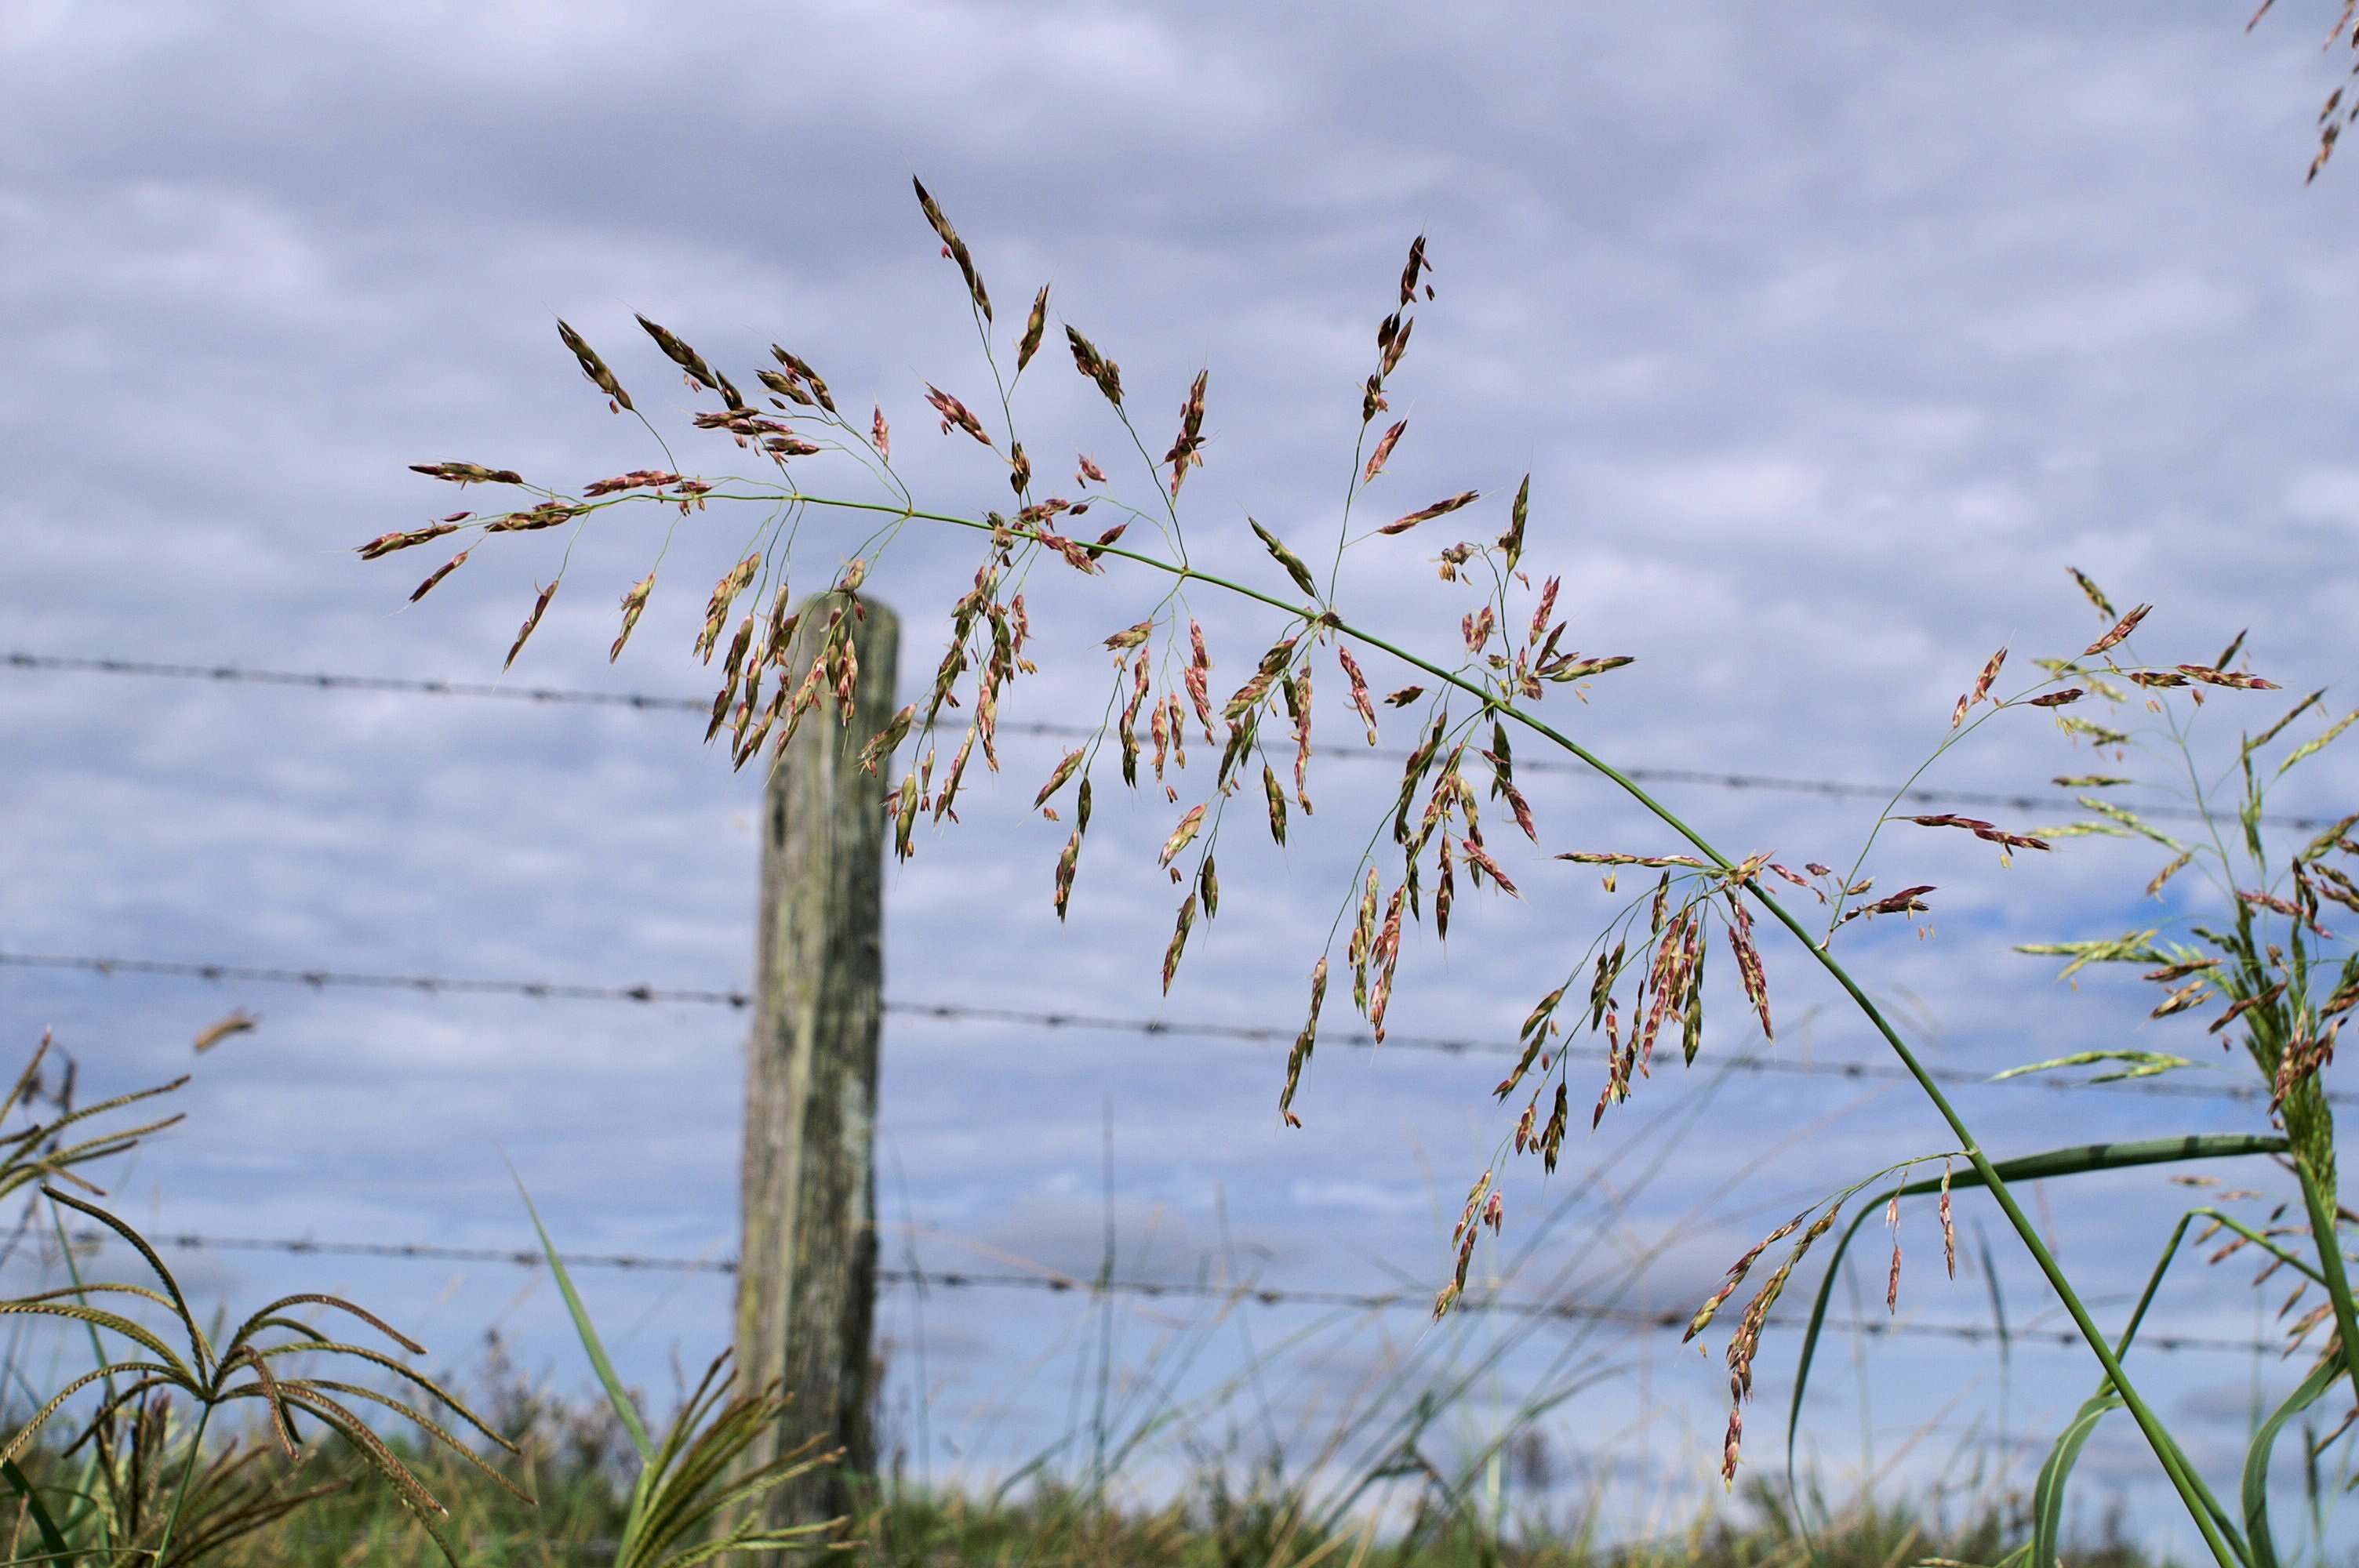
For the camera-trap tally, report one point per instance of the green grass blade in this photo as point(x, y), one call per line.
point(53, 1543)
point(2078, 1159)
point(617, 1395)
point(2256, 1460)
point(2048, 1493)
point(2329, 1243)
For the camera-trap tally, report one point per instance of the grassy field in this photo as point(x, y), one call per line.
point(578, 1462)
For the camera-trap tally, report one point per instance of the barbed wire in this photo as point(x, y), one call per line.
point(645, 702)
point(969, 1012)
point(1058, 1284)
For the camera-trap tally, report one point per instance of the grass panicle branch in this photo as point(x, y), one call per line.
point(1480, 684)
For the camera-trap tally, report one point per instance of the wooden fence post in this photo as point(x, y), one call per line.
point(806, 1272)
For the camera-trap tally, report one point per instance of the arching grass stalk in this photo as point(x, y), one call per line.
point(2166, 1449)
point(181, 1492)
point(2156, 1433)
point(766, 690)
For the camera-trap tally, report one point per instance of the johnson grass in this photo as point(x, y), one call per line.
point(2240, 937)
point(1493, 651)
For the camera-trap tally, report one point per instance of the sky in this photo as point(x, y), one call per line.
point(1828, 341)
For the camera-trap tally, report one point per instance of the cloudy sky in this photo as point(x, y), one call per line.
point(1828, 343)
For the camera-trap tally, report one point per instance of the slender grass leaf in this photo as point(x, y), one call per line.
point(2047, 1492)
point(2143, 1065)
point(2310, 748)
point(53, 1543)
point(2256, 1459)
point(2071, 1161)
point(617, 1395)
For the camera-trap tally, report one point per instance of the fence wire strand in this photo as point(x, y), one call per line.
point(1227, 1294)
point(647, 702)
point(323, 978)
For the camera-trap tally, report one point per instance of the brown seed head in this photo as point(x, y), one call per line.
point(1034, 327)
point(592, 366)
point(1426, 513)
point(539, 607)
point(1417, 265)
point(680, 354)
point(2123, 628)
point(438, 573)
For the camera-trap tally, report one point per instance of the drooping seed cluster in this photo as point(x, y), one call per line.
point(1645, 972)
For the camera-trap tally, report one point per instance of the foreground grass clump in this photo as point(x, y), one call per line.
point(579, 1463)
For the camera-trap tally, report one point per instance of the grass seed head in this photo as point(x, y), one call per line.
point(1064, 770)
point(1395, 345)
point(633, 602)
point(2095, 595)
point(1426, 513)
point(881, 745)
point(1101, 370)
point(1276, 798)
point(467, 473)
point(716, 609)
point(954, 412)
point(2122, 629)
point(539, 607)
point(386, 544)
point(800, 368)
point(1178, 941)
point(956, 249)
point(592, 366)
point(1948, 1229)
point(785, 384)
point(1187, 450)
point(1511, 543)
point(637, 479)
point(437, 575)
point(680, 354)
point(1359, 684)
point(1417, 265)
point(1034, 327)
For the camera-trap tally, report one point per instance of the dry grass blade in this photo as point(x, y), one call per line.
point(407, 1374)
point(272, 1399)
point(219, 1521)
point(421, 1504)
point(96, 1288)
point(114, 1322)
point(40, 1418)
point(148, 1255)
point(21, 1089)
point(98, 1430)
point(424, 1423)
point(58, 1161)
point(49, 1129)
point(693, 1478)
point(238, 1022)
